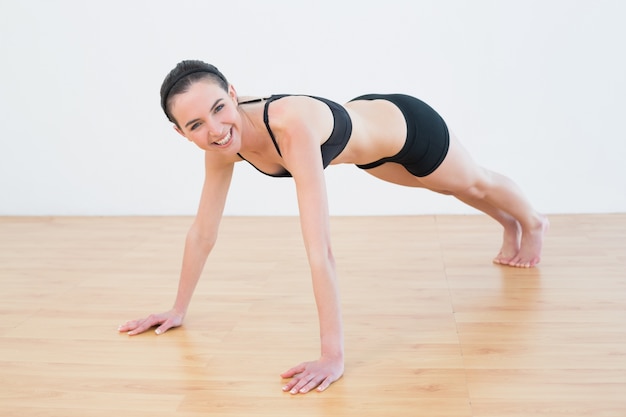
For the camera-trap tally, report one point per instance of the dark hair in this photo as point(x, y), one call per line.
point(183, 76)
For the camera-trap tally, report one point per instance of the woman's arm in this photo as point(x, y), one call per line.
point(198, 244)
point(299, 140)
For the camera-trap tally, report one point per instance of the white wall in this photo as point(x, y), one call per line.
point(535, 90)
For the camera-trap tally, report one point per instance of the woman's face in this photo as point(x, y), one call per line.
point(207, 116)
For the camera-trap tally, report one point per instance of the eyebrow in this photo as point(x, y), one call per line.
point(212, 107)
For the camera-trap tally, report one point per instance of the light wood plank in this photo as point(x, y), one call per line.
point(432, 327)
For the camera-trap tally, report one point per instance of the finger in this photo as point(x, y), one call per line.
point(325, 384)
point(306, 384)
point(145, 325)
point(125, 327)
point(168, 324)
point(129, 325)
point(290, 386)
point(294, 371)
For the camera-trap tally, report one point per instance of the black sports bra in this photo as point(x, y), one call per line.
point(336, 142)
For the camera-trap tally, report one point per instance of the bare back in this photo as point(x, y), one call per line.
point(378, 131)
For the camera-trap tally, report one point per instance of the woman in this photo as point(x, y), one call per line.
point(394, 137)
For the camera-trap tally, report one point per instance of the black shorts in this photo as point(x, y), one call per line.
point(427, 136)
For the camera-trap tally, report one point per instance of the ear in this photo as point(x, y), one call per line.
point(180, 132)
point(232, 92)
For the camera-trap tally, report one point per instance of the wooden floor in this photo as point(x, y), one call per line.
point(432, 327)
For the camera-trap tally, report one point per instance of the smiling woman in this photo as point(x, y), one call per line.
point(186, 73)
point(206, 123)
point(394, 137)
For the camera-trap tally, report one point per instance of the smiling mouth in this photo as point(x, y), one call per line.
point(225, 140)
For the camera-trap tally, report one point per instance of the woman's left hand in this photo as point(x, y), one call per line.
point(310, 375)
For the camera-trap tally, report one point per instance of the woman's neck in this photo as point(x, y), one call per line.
point(253, 130)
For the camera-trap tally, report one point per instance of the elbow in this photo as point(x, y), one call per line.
point(202, 242)
point(322, 260)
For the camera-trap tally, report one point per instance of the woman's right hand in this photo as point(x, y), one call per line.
point(165, 321)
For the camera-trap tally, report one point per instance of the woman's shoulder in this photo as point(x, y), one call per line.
point(299, 113)
point(295, 105)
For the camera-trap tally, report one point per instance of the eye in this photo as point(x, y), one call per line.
point(219, 108)
point(194, 126)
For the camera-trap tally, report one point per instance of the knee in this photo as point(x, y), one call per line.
point(469, 190)
point(476, 190)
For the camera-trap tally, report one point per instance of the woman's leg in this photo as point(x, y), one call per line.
point(487, 191)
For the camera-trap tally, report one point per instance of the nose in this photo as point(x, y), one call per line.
point(215, 128)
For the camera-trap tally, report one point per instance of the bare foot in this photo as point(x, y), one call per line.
point(529, 254)
point(510, 244)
